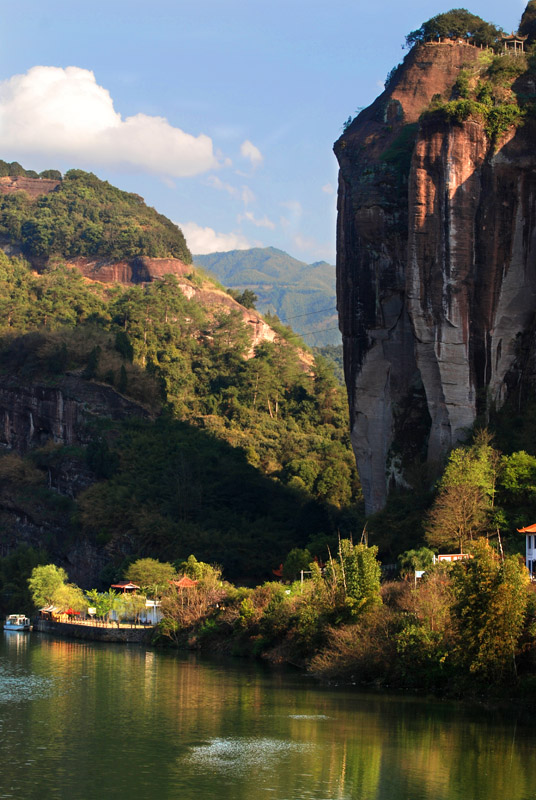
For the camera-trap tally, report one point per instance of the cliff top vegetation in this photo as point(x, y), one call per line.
point(85, 216)
point(456, 24)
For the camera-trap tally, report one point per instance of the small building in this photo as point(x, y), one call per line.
point(451, 557)
point(184, 583)
point(153, 612)
point(125, 586)
point(513, 43)
point(530, 548)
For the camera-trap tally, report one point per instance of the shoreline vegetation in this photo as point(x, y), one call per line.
point(466, 629)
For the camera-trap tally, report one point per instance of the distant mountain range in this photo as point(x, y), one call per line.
point(302, 295)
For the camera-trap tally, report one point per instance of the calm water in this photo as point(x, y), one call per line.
point(82, 721)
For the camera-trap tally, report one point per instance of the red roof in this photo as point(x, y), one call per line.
point(184, 583)
point(528, 529)
point(124, 585)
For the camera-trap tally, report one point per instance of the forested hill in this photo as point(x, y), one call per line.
point(302, 294)
point(137, 421)
point(80, 215)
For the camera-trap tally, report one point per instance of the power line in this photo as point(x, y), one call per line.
point(309, 313)
point(319, 330)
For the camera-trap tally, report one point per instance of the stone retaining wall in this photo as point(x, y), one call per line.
point(94, 633)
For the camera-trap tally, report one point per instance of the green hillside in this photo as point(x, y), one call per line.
point(302, 294)
point(85, 216)
point(239, 460)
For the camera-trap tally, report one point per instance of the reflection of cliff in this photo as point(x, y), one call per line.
point(436, 272)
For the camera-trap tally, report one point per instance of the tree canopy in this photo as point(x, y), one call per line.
point(45, 582)
point(150, 574)
point(455, 24)
point(85, 216)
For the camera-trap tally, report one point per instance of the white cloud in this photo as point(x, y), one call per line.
point(205, 240)
point(264, 222)
point(328, 188)
point(243, 192)
point(247, 196)
point(217, 183)
point(249, 151)
point(65, 113)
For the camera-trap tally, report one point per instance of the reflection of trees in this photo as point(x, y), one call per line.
point(146, 722)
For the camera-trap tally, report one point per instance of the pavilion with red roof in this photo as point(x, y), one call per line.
point(184, 583)
point(125, 586)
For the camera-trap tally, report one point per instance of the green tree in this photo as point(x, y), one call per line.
point(466, 495)
point(150, 574)
point(67, 596)
point(490, 603)
point(455, 24)
point(44, 582)
point(296, 560)
point(360, 574)
point(419, 559)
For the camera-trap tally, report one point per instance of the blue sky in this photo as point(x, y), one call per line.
point(220, 113)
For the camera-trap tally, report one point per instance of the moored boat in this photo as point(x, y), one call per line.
point(17, 622)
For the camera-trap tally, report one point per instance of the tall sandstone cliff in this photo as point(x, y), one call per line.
point(436, 268)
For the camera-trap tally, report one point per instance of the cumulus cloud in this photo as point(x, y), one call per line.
point(263, 222)
point(205, 240)
point(65, 113)
point(252, 153)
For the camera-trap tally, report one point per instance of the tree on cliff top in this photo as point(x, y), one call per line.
point(455, 24)
point(527, 26)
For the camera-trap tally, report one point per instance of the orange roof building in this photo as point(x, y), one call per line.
point(530, 548)
point(184, 583)
point(125, 586)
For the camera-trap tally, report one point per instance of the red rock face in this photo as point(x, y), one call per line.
point(137, 270)
point(144, 270)
point(32, 186)
point(435, 269)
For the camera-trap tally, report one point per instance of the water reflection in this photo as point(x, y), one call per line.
point(111, 720)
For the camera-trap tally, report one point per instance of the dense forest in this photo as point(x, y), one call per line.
point(235, 459)
point(85, 216)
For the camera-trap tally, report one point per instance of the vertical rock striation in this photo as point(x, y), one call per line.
point(435, 268)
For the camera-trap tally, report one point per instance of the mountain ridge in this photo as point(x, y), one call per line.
point(300, 293)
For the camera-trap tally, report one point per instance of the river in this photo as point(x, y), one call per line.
point(81, 720)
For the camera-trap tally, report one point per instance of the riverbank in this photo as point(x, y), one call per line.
point(96, 633)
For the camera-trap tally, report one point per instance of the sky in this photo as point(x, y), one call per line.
point(221, 113)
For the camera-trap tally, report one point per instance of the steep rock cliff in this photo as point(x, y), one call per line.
point(436, 273)
point(31, 414)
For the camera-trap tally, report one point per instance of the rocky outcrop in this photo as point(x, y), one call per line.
point(436, 268)
point(145, 270)
point(32, 414)
point(32, 186)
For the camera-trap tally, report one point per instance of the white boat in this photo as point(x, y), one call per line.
point(17, 622)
